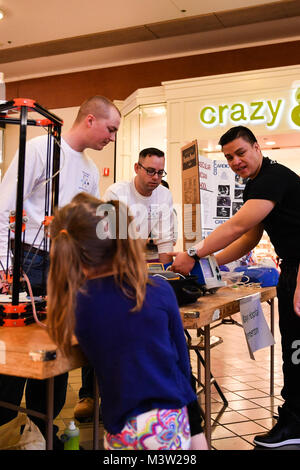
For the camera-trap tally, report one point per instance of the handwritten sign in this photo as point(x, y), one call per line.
point(257, 332)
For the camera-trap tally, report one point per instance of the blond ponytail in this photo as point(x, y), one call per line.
point(64, 279)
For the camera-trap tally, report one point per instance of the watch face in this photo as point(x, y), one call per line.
point(192, 252)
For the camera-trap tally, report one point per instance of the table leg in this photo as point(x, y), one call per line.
point(96, 415)
point(272, 349)
point(207, 385)
point(49, 417)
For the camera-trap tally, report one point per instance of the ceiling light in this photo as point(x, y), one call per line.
point(270, 142)
point(159, 110)
point(1, 14)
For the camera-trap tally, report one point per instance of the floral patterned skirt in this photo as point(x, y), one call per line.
point(153, 430)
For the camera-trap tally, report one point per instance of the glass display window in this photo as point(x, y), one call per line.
point(143, 127)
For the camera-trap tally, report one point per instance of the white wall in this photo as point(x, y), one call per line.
point(289, 157)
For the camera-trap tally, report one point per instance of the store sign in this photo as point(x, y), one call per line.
point(269, 112)
point(295, 112)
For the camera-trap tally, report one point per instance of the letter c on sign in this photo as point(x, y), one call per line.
point(211, 118)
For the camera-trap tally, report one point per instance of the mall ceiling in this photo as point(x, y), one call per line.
point(45, 38)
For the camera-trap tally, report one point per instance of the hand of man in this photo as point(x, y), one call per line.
point(297, 294)
point(4, 284)
point(297, 300)
point(182, 264)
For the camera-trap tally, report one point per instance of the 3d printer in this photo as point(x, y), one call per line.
point(16, 308)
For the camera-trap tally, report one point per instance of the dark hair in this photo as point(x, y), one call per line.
point(151, 151)
point(235, 133)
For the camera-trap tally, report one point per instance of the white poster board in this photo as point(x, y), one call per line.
point(221, 193)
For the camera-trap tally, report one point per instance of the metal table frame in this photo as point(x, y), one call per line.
point(226, 303)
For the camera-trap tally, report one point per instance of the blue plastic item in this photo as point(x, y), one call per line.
point(196, 271)
point(223, 267)
point(267, 277)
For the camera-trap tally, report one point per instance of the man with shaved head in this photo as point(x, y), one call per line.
point(96, 124)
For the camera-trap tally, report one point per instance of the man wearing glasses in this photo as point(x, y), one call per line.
point(150, 203)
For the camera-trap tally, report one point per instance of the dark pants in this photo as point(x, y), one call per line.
point(12, 388)
point(289, 324)
point(87, 378)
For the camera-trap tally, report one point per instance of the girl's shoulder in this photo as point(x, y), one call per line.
point(158, 284)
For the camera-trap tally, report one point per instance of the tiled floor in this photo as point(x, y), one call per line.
point(244, 382)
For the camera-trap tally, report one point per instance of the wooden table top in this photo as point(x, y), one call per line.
point(221, 304)
point(22, 350)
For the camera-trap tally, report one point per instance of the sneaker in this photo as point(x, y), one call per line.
point(286, 431)
point(84, 409)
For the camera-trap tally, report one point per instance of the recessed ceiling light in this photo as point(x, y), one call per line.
point(1, 14)
point(159, 110)
point(270, 142)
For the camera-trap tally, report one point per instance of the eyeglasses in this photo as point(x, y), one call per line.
point(152, 172)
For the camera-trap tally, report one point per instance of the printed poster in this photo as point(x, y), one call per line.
point(221, 193)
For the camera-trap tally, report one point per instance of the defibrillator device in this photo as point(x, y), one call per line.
point(186, 288)
point(208, 273)
point(205, 277)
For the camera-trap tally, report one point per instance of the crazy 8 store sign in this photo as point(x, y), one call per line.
point(268, 112)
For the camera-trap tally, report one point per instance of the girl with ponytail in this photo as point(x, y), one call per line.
point(128, 325)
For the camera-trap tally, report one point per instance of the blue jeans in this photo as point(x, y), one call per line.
point(36, 266)
point(12, 388)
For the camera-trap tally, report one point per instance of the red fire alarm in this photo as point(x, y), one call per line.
point(105, 172)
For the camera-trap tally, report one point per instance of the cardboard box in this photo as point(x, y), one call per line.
point(191, 217)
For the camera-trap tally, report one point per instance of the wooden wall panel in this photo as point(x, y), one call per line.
point(66, 90)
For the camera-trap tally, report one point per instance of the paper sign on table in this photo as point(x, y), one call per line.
point(257, 331)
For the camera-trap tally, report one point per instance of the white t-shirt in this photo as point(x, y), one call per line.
point(78, 173)
point(153, 214)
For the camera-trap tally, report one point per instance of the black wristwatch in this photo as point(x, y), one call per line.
point(192, 252)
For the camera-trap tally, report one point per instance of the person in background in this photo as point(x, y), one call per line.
point(149, 202)
point(127, 324)
point(95, 126)
point(272, 203)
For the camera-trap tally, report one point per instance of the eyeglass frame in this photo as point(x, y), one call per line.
point(153, 172)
